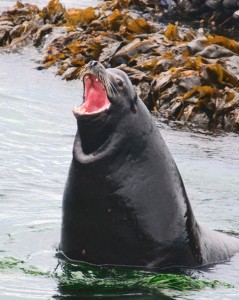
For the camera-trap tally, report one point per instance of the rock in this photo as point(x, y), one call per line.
point(6, 23)
point(41, 32)
point(4, 34)
point(197, 45)
point(230, 3)
point(17, 31)
point(189, 76)
point(215, 51)
point(236, 15)
point(213, 4)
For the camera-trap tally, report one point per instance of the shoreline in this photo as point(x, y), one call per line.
point(189, 77)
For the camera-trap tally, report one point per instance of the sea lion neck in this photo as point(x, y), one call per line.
point(94, 133)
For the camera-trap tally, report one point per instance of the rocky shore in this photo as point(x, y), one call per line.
point(187, 76)
point(217, 14)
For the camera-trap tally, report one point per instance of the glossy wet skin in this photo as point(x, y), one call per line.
point(125, 202)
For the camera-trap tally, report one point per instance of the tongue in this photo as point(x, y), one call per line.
point(95, 95)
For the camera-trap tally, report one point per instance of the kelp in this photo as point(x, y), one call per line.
point(172, 32)
point(122, 4)
point(202, 91)
point(129, 280)
point(224, 42)
point(131, 51)
point(80, 16)
point(137, 25)
point(185, 75)
point(89, 279)
point(13, 263)
point(115, 20)
point(216, 73)
point(53, 13)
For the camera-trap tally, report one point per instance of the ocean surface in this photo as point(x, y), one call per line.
point(37, 130)
point(41, 3)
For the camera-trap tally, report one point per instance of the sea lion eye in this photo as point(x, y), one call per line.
point(119, 82)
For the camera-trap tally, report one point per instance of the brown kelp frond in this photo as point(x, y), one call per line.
point(186, 75)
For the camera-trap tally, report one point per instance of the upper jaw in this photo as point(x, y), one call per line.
point(95, 100)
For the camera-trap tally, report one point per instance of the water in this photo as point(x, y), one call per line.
point(41, 3)
point(37, 131)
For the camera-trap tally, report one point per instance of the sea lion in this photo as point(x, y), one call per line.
point(124, 201)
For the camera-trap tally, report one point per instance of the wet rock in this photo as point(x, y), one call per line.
point(213, 4)
point(71, 73)
point(187, 83)
point(197, 45)
point(236, 15)
point(17, 31)
point(230, 3)
point(231, 64)
point(215, 51)
point(6, 23)
point(137, 47)
point(212, 13)
point(41, 32)
point(53, 13)
point(109, 52)
point(188, 76)
point(4, 34)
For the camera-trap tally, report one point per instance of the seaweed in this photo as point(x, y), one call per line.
point(95, 279)
point(170, 66)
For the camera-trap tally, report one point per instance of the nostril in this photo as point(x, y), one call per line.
point(93, 63)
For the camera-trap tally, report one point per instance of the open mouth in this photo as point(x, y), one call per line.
point(95, 97)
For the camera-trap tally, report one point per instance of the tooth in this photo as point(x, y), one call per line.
point(97, 79)
point(87, 77)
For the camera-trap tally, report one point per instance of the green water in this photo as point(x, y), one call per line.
point(85, 280)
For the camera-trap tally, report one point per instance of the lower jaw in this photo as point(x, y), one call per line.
point(84, 114)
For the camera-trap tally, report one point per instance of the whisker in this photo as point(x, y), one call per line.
point(101, 74)
point(82, 72)
point(105, 80)
point(112, 86)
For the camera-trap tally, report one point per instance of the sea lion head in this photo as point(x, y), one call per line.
point(105, 90)
point(109, 98)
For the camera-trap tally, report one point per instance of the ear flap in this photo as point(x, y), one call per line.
point(134, 104)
